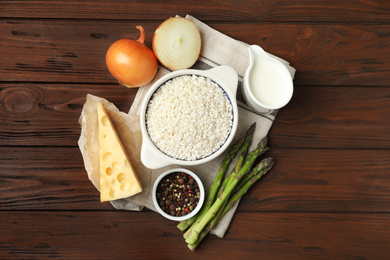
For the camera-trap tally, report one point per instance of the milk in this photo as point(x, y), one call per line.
point(267, 82)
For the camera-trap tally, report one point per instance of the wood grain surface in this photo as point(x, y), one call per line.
point(328, 195)
point(304, 180)
point(323, 54)
point(215, 10)
point(346, 117)
point(251, 235)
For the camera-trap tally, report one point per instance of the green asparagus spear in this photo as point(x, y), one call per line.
point(234, 171)
point(255, 170)
point(199, 226)
point(208, 228)
point(218, 188)
point(240, 160)
point(245, 187)
point(214, 188)
point(261, 171)
point(215, 185)
point(225, 164)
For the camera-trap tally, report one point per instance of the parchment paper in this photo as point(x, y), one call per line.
point(128, 129)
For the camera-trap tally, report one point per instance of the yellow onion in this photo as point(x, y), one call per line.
point(131, 62)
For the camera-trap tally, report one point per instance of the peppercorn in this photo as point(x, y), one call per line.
point(177, 194)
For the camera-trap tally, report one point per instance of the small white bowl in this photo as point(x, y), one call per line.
point(201, 192)
point(227, 78)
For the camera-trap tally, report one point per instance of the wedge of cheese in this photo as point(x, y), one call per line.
point(117, 176)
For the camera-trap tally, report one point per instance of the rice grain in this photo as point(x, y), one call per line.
point(189, 117)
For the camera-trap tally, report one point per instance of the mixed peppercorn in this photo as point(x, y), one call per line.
point(178, 194)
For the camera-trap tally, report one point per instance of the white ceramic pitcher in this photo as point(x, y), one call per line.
point(267, 84)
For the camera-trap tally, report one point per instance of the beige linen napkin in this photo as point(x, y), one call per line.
point(217, 49)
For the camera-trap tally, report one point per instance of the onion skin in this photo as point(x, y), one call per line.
point(131, 62)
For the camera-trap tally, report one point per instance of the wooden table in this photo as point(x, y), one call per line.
point(328, 196)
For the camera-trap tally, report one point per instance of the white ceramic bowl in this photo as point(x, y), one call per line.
point(200, 202)
point(227, 78)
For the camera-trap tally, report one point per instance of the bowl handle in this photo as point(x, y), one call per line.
point(152, 159)
point(227, 75)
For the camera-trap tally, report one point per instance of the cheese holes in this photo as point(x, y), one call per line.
point(107, 156)
point(121, 177)
point(105, 121)
point(126, 186)
point(112, 192)
point(116, 165)
point(109, 171)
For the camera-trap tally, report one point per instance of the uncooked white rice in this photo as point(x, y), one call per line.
point(189, 117)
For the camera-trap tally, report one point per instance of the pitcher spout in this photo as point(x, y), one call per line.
point(255, 50)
